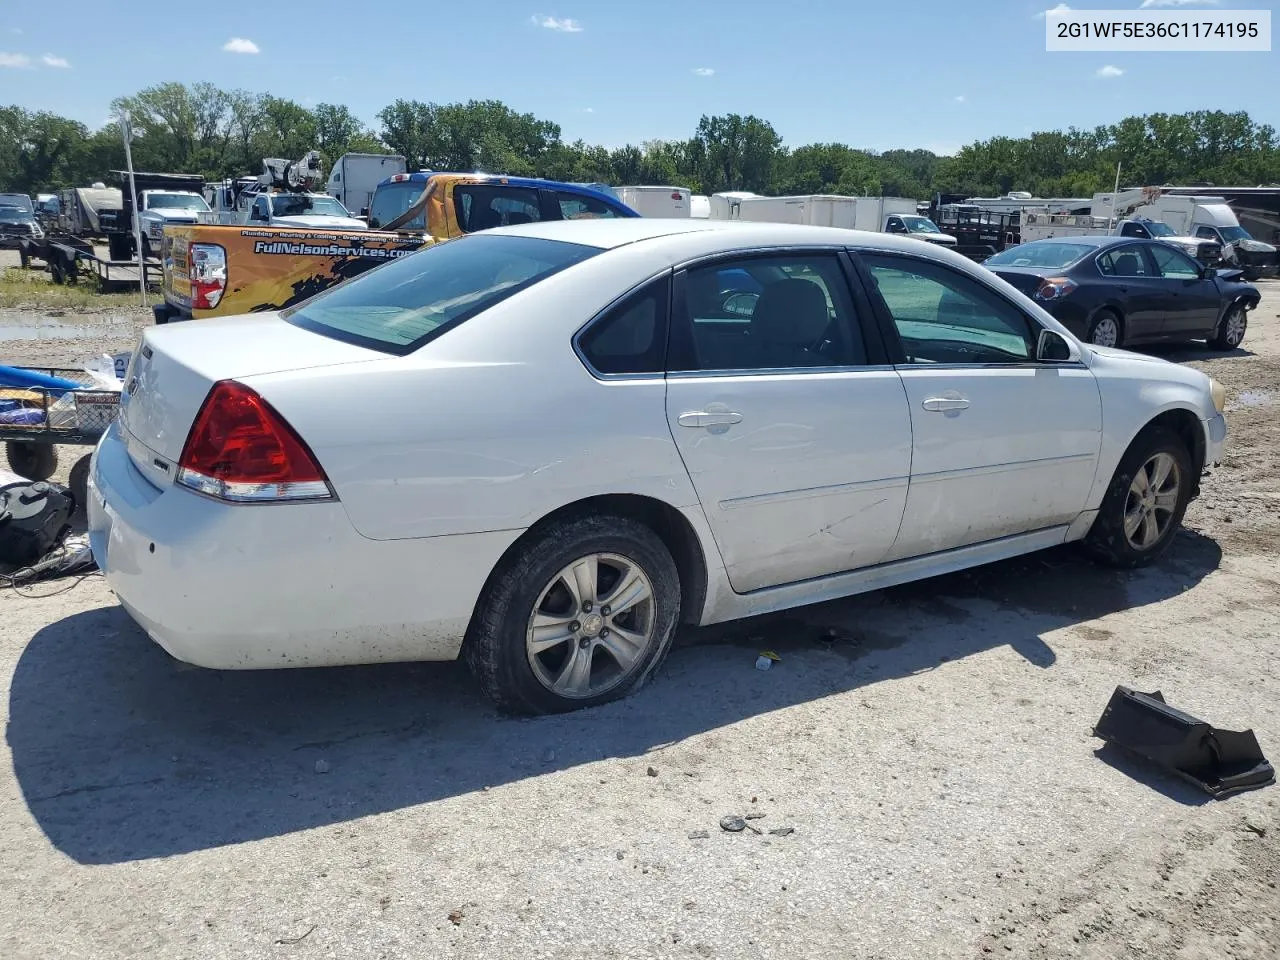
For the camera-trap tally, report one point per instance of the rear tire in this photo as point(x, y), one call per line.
point(78, 481)
point(514, 645)
point(1106, 329)
point(35, 461)
point(1145, 501)
point(55, 268)
point(1230, 331)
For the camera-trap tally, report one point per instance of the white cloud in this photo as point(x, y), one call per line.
point(565, 25)
point(1060, 8)
point(588, 109)
point(1107, 72)
point(1177, 3)
point(240, 45)
point(704, 71)
point(15, 60)
point(16, 30)
point(960, 99)
point(49, 60)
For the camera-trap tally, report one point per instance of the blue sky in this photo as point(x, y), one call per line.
point(911, 73)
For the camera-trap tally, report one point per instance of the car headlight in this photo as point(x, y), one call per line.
point(1219, 394)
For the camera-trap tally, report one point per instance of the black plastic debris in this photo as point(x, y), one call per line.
point(1220, 762)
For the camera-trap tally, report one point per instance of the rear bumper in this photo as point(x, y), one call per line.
point(288, 585)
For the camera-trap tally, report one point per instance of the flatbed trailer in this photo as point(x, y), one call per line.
point(70, 258)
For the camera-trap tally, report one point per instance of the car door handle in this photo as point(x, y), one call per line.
point(701, 418)
point(943, 404)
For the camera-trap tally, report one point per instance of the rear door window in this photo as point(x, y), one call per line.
point(485, 206)
point(393, 199)
point(575, 206)
point(1124, 262)
point(408, 302)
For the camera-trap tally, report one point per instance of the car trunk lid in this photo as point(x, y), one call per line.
point(1025, 279)
point(175, 366)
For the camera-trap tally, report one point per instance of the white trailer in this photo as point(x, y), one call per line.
point(355, 176)
point(724, 206)
point(657, 201)
point(700, 207)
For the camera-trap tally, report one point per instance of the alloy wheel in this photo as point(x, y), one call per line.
point(1152, 501)
point(591, 626)
point(1105, 332)
point(1235, 326)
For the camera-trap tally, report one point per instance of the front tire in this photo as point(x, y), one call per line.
point(582, 614)
point(1230, 331)
point(1145, 502)
point(1106, 329)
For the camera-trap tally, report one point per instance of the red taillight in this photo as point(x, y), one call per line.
point(676, 196)
point(207, 269)
point(1055, 288)
point(240, 449)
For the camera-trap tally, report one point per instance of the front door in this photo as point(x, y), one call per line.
point(795, 434)
point(1002, 444)
point(1192, 303)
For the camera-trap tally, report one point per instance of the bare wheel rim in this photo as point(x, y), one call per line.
point(1235, 323)
point(1105, 332)
point(1152, 500)
point(591, 626)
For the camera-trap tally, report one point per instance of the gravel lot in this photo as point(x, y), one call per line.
point(933, 763)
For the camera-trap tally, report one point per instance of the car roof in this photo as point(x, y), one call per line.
point(1092, 240)
point(422, 176)
point(706, 237)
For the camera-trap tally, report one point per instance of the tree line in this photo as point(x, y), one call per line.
point(200, 128)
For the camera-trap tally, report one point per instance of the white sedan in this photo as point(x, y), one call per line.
point(543, 447)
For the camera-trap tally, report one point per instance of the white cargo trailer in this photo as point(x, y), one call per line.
point(354, 177)
point(667, 202)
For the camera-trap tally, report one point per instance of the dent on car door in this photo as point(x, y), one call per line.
point(1002, 444)
point(1194, 302)
point(794, 430)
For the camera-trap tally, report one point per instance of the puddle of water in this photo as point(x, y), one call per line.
point(60, 331)
point(1255, 398)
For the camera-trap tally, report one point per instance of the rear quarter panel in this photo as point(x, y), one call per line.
point(275, 267)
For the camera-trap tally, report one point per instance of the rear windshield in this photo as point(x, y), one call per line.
point(402, 305)
point(1040, 253)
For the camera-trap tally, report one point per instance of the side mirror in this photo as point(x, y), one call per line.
point(1052, 347)
point(1208, 273)
point(364, 211)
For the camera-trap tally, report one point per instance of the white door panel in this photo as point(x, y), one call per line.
point(801, 475)
point(998, 451)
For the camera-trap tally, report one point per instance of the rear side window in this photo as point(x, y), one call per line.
point(392, 199)
point(484, 207)
point(406, 303)
point(1124, 262)
point(575, 206)
point(632, 337)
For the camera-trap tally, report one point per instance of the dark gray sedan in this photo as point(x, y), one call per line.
point(1120, 291)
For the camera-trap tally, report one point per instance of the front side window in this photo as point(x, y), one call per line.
point(767, 313)
point(575, 206)
point(1207, 233)
point(259, 209)
point(1174, 264)
point(943, 316)
point(483, 206)
point(632, 337)
point(407, 302)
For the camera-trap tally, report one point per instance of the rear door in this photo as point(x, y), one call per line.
point(483, 206)
point(1002, 444)
point(794, 430)
point(1136, 286)
point(1193, 303)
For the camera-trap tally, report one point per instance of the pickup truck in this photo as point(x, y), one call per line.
point(219, 270)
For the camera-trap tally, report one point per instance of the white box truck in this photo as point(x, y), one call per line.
point(814, 210)
point(354, 177)
point(651, 201)
point(898, 215)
